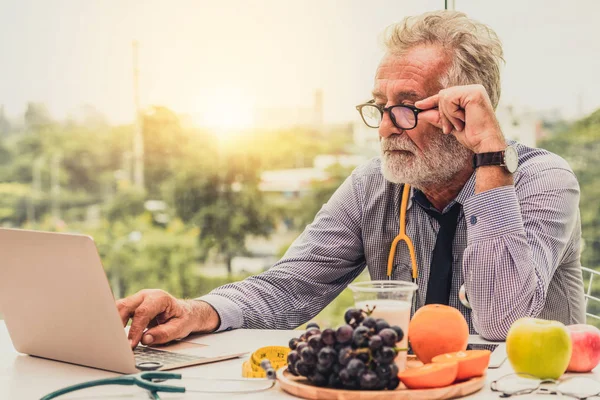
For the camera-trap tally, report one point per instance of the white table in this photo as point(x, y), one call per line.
point(26, 377)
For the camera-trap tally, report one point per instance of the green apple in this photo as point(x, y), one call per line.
point(539, 347)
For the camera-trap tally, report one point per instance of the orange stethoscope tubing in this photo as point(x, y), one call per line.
point(462, 293)
point(402, 236)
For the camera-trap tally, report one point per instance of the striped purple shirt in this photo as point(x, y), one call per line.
point(516, 249)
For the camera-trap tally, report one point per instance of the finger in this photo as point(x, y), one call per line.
point(148, 310)
point(446, 125)
point(459, 113)
point(432, 117)
point(454, 123)
point(456, 114)
point(126, 307)
point(429, 102)
point(172, 330)
point(123, 311)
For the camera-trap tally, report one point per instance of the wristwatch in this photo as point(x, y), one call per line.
point(507, 158)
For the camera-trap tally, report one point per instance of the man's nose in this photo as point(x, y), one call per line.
point(387, 127)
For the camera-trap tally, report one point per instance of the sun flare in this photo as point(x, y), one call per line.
point(226, 112)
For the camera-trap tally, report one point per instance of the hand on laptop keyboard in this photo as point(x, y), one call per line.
point(175, 318)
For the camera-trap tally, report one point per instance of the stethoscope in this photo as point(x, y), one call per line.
point(402, 236)
point(153, 382)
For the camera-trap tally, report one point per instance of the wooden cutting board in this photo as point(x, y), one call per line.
point(300, 387)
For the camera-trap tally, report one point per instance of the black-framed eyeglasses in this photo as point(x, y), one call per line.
point(403, 116)
point(579, 388)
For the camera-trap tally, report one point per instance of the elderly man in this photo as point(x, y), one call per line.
point(490, 215)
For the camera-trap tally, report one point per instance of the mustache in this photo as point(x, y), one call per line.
point(398, 142)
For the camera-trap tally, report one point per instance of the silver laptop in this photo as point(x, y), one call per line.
point(57, 304)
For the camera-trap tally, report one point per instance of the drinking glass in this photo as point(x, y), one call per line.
point(390, 300)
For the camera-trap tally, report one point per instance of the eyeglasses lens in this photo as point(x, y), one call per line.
point(579, 387)
point(405, 117)
point(517, 384)
point(371, 116)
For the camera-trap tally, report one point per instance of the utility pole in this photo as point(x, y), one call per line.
point(138, 139)
point(36, 185)
point(318, 110)
point(55, 182)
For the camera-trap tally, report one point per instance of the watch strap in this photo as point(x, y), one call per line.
point(492, 158)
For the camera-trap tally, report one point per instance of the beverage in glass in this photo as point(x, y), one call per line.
point(390, 300)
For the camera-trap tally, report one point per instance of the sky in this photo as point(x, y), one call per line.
point(211, 58)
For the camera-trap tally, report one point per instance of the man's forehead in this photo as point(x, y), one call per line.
point(412, 75)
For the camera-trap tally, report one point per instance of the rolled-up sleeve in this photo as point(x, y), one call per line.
point(324, 259)
point(516, 236)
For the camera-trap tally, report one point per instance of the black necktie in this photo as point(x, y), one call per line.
point(440, 273)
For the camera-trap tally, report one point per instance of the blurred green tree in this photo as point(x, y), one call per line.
point(579, 144)
point(37, 116)
point(218, 192)
point(304, 212)
point(164, 142)
point(5, 126)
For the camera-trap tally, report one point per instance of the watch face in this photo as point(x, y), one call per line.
point(511, 159)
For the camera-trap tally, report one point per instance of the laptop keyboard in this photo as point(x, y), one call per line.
point(144, 354)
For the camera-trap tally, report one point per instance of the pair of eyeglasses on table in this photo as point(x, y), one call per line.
point(153, 383)
point(576, 387)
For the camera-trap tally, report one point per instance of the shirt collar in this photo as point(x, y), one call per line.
point(467, 191)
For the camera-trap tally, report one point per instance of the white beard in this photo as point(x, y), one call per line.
point(443, 158)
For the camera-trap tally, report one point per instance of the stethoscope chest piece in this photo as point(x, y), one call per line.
point(149, 365)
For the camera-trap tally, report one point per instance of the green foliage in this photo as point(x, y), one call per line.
point(165, 141)
point(13, 202)
point(137, 255)
point(222, 199)
point(301, 212)
point(127, 203)
point(211, 186)
point(294, 147)
point(37, 116)
point(580, 146)
point(4, 123)
point(321, 192)
point(333, 314)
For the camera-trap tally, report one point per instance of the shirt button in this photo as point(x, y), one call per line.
point(473, 220)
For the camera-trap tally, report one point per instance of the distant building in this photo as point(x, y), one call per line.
point(294, 182)
point(366, 140)
point(290, 182)
point(324, 161)
point(522, 125)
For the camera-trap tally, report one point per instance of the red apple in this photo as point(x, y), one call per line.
point(586, 347)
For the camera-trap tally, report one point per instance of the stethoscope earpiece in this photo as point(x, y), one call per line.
point(462, 296)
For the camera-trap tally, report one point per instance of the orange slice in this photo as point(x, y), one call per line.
point(471, 363)
point(429, 376)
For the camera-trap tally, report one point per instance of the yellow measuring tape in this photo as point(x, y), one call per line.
point(277, 355)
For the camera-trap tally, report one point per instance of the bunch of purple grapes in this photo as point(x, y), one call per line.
point(358, 355)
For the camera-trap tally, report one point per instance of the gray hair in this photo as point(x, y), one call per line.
point(474, 47)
